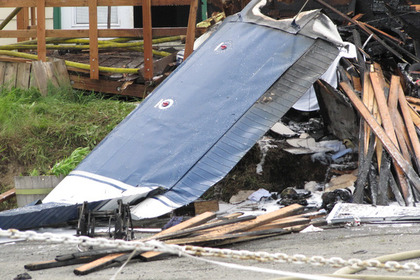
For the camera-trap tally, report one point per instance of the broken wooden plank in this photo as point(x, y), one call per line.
point(409, 125)
point(247, 225)
point(363, 170)
point(398, 41)
point(283, 223)
point(383, 137)
point(195, 221)
point(23, 75)
point(108, 86)
point(213, 225)
point(7, 195)
point(286, 230)
point(97, 264)
point(94, 253)
point(368, 99)
point(55, 263)
point(10, 75)
point(389, 129)
point(40, 73)
point(413, 100)
point(393, 110)
point(60, 73)
point(414, 115)
point(384, 174)
point(2, 72)
point(107, 260)
point(159, 65)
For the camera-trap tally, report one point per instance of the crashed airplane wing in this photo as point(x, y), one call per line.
point(195, 127)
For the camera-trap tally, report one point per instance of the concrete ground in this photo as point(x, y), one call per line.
point(363, 242)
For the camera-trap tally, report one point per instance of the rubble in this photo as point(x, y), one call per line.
point(367, 134)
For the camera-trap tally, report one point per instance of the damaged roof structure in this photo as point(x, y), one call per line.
point(201, 121)
point(204, 119)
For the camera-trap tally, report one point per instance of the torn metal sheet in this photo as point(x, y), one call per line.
point(203, 119)
point(350, 212)
point(194, 128)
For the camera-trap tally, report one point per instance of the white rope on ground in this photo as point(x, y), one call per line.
point(154, 245)
point(125, 263)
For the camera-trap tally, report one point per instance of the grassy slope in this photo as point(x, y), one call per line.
point(36, 131)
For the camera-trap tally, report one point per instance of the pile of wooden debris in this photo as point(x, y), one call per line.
point(205, 229)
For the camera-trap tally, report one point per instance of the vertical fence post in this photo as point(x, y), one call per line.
point(192, 19)
point(93, 37)
point(147, 38)
point(40, 31)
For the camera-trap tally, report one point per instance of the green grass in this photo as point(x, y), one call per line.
point(37, 131)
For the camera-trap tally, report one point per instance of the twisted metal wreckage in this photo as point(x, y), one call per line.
point(199, 122)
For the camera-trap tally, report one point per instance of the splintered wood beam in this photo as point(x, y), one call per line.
point(409, 125)
point(192, 21)
point(396, 118)
point(383, 137)
point(93, 37)
point(378, 89)
point(368, 99)
point(40, 30)
point(147, 38)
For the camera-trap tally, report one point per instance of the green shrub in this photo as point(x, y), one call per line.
point(66, 165)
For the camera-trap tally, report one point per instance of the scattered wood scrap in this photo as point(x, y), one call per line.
point(205, 229)
point(7, 195)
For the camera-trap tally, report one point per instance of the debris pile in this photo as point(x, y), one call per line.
point(379, 89)
point(206, 229)
point(381, 83)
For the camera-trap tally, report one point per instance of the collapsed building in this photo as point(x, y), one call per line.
point(194, 128)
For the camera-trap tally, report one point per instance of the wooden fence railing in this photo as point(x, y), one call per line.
point(37, 10)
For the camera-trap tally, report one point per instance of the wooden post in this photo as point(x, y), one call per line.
point(33, 16)
point(40, 31)
point(189, 42)
point(23, 21)
point(33, 19)
point(93, 37)
point(147, 38)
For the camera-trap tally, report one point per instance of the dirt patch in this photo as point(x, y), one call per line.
point(280, 170)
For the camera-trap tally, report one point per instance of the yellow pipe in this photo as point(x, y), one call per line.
point(73, 64)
